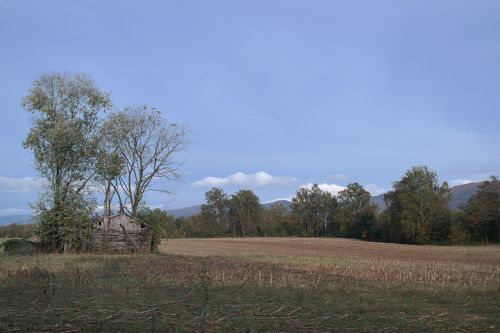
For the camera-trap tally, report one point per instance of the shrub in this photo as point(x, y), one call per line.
point(17, 247)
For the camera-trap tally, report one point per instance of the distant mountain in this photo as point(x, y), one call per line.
point(192, 210)
point(285, 203)
point(185, 212)
point(460, 194)
point(379, 201)
point(18, 219)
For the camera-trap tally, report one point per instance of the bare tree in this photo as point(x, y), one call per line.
point(147, 144)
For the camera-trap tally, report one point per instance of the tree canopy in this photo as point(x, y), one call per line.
point(417, 207)
point(64, 139)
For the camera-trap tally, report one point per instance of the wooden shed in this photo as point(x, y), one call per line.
point(121, 233)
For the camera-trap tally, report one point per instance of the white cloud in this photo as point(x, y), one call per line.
point(14, 211)
point(334, 189)
point(26, 184)
point(375, 190)
point(259, 179)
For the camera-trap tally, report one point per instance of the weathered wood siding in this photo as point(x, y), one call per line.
point(129, 223)
point(119, 242)
point(124, 235)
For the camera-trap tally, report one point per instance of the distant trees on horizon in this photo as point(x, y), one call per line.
point(416, 213)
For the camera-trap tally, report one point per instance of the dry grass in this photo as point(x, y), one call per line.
point(351, 259)
point(254, 285)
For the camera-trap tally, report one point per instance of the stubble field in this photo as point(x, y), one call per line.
point(256, 285)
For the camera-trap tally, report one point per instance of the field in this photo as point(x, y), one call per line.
point(254, 285)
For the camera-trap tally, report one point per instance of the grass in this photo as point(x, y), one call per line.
point(256, 285)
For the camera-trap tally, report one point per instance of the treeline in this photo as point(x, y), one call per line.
point(15, 230)
point(416, 213)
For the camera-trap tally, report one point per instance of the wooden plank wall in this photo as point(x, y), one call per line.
point(119, 242)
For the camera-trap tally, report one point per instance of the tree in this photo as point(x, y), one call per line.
point(147, 143)
point(245, 212)
point(214, 211)
point(162, 225)
point(313, 207)
point(418, 207)
point(275, 221)
point(483, 212)
point(64, 140)
point(354, 214)
point(110, 166)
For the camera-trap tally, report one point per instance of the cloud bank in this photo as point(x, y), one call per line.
point(258, 179)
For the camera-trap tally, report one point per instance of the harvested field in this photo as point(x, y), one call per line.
point(254, 285)
point(351, 259)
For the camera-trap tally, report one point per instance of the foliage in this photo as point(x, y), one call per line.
point(66, 227)
point(64, 139)
point(214, 212)
point(244, 213)
point(354, 215)
point(417, 208)
point(482, 212)
point(110, 165)
point(313, 207)
point(17, 247)
point(276, 221)
point(162, 225)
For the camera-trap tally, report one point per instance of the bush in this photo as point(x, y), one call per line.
point(17, 247)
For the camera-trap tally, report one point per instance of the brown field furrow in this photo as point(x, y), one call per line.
point(329, 259)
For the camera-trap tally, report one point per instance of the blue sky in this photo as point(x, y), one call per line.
point(277, 94)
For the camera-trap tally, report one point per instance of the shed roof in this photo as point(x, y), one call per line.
point(126, 214)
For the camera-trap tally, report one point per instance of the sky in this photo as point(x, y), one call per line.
point(276, 94)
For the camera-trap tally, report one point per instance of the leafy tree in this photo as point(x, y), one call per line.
point(483, 212)
point(193, 226)
point(460, 230)
point(354, 215)
point(110, 166)
point(214, 211)
point(147, 144)
point(313, 207)
point(275, 221)
point(245, 212)
point(161, 223)
point(418, 207)
point(64, 139)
